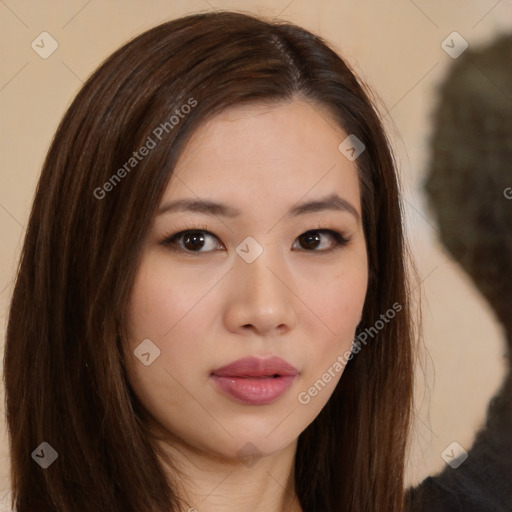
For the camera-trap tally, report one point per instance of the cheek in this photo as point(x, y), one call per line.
point(171, 308)
point(164, 299)
point(163, 308)
point(336, 303)
point(339, 303)
point(336, 298)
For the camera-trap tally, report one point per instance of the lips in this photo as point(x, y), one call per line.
point(254, 367)
point(254, 381)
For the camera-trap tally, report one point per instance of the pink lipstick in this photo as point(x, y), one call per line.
point(254, 381)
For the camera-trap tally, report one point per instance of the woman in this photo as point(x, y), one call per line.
point(211, 310)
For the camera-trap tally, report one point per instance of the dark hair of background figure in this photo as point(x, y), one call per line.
point(467, 183)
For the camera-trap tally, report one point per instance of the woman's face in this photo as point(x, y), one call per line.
point(264, 275)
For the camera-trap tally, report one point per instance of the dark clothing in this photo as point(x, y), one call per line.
point(483, 482)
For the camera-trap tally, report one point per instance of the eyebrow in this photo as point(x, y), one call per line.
point(208, 207)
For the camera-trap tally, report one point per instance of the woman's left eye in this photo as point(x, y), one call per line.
point(193, 241)
point(313, 239)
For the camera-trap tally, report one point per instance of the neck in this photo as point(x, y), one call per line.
point(210, 482)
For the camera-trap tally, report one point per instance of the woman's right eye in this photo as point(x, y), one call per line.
point(192, 241)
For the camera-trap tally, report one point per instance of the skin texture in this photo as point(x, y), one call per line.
point(204, 310)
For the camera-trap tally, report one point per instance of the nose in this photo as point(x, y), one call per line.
point(262, 301)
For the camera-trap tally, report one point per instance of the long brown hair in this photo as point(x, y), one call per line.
point(64, 372)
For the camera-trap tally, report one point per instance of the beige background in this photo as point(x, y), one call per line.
point(395, 45)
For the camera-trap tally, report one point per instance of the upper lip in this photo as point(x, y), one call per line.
point(255, 367)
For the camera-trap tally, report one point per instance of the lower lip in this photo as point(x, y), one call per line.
point(254, 391)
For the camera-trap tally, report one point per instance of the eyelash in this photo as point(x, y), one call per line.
point(170, 240)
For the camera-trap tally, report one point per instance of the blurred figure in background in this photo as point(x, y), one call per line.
point(469, 188)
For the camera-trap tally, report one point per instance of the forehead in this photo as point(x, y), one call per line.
point(273, 152)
